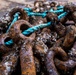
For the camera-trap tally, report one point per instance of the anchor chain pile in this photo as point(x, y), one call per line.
point(39, 40)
